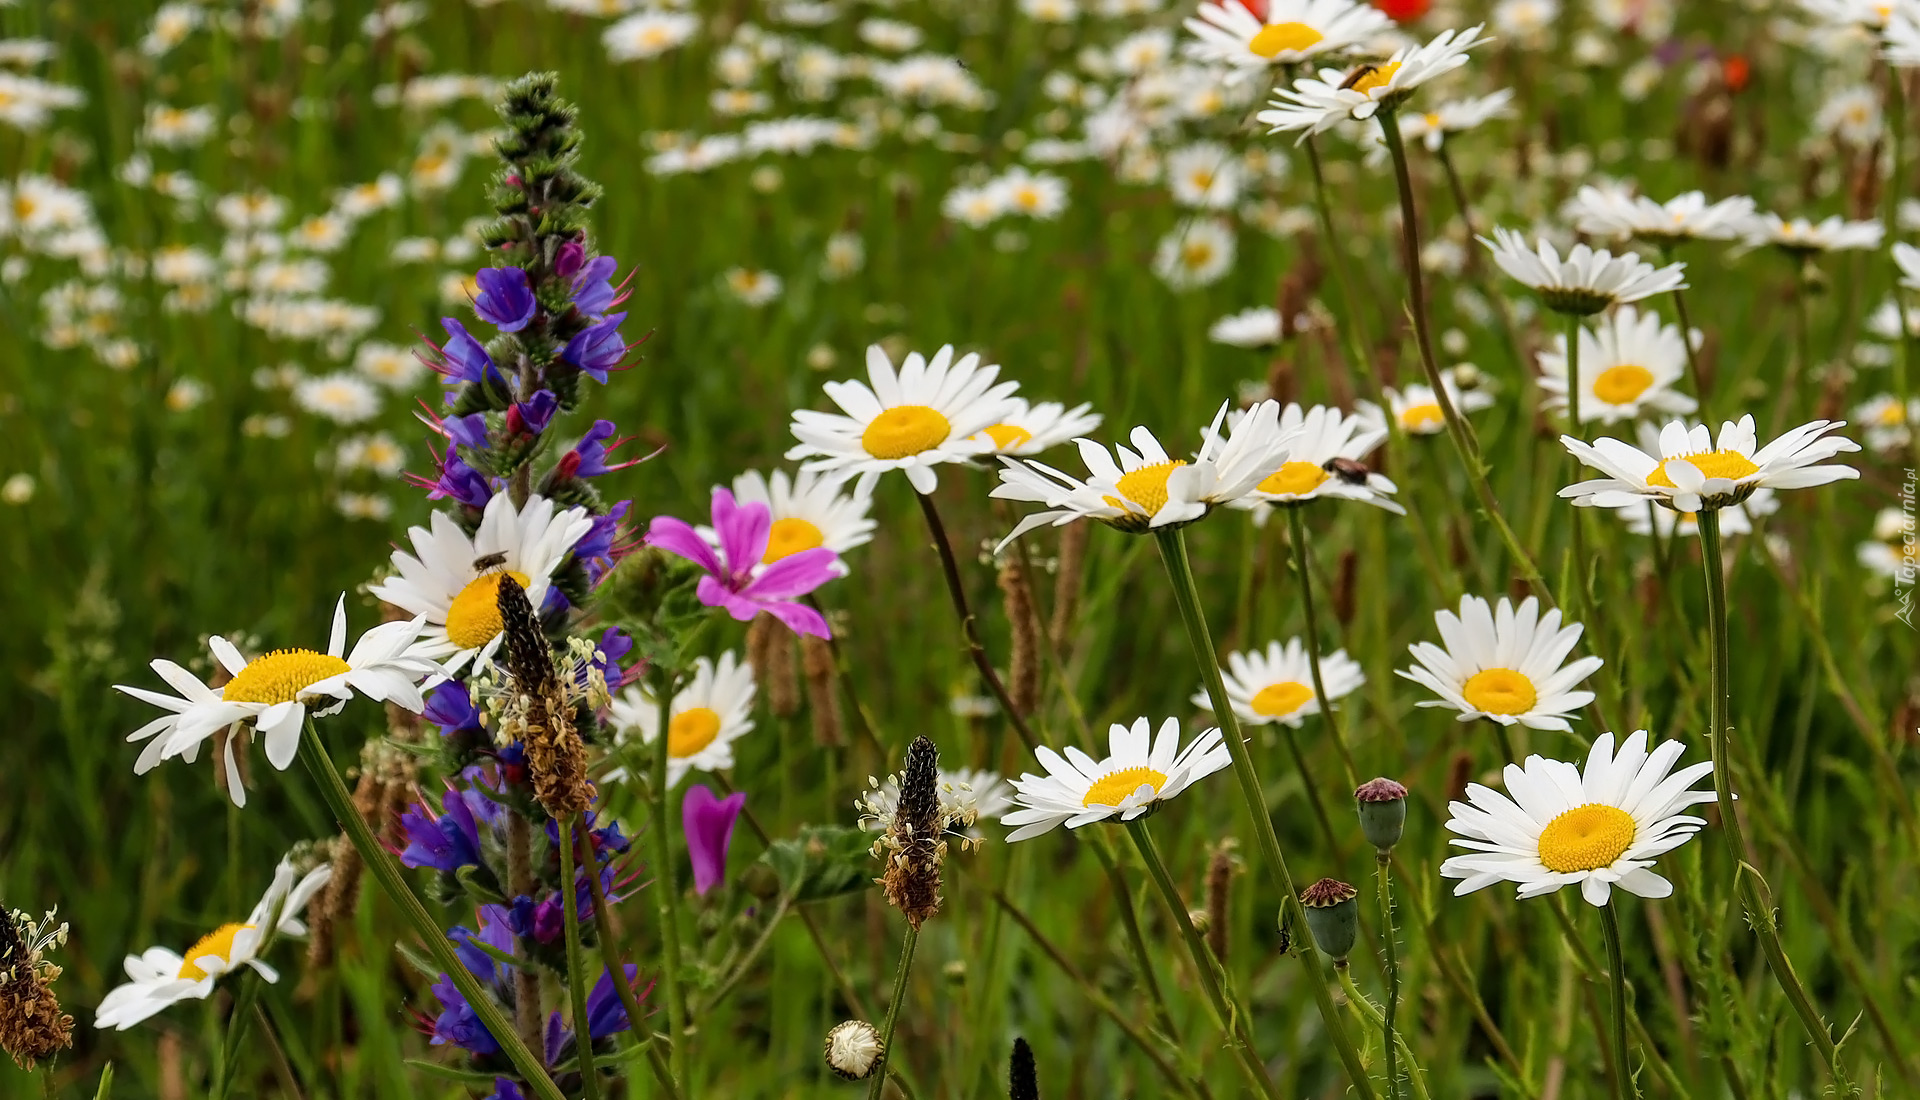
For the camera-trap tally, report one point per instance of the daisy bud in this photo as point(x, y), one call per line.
point(32, 1026)
point(1022, 1082)
point(1332, 916)
point(853, 1049)
point(913, 847)
point(540, 716)
point(1383, 812)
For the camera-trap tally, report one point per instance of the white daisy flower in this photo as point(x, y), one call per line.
point(1894, 550)
point(648, 34)
point(1198, 252)
point(158, 978)
point(713, 711)
point(1316, 104)
point(808, 511)
point(966, 795)
point(1276, 684)
point(1292, 30)
point(1629, 363)
point(1146, 489)
point(928, 413)
point(273, 692)
point(1205, 174)
point(752, 287)
point(1900, 40)
point(1417, 409)
point(1871, 14)
point(1851, 115)
point(1599, 827)
point(1799, 235)
point(1691, 472)
point(1587, 281)
point(1907, 259)
point(1503, 664)
point(1887, 420)
point(452, 580)
point(1142, 769)
point(1324, 449)
point(1614, 212)
point(1029, 429)
point(1041, 195)
point(340, 397)
point(974, 206)
point(1431, 128)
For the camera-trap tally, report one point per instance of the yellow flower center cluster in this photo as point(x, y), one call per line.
point(473, 619)
point(691, 730)
point(1276, 38)
point(1111, 790)
point(280, 676)
point(1500, 691)
point(904, 431)
point(1146, 487)
point(217, 944)
point(1586, 838)
point(1731, 465)
point(1295, 478)
point(789, 536)
point(1282, 699)
point(1621, 385)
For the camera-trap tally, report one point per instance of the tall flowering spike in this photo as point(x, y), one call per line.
point(32, 1026)
point(1022, 1082)
point(914, 845)
point(539, 713)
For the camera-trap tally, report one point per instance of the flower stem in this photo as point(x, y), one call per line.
point(1686, 340)
point(1383, 875)
point(576, 960)
point(603, 914)
point(1186, 593)
point(1232, 1017)
point(381, 862)
point(957, 591)
point(1752, 888)
point(1458, 430)
point(1297, 532)
point(661, 853)
point(878, 1080)
point(237, 1023)
point(1623, 1086)
point(1356, 349)
point(1366, 1010)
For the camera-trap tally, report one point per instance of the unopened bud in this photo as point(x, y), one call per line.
point(853, 1049)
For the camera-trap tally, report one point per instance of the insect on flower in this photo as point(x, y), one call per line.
point(487, 563)
point(1360, 72)
point(1352, 471)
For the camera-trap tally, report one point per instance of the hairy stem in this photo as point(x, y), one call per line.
point(576, 960)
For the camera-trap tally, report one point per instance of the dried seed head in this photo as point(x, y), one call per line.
point(1383, 812)
point(1022, 1084)
point(1332, 915)
point(1066, 584)
point(915, 846)
point(1023, 670)
point(32, 1026)
point(853, 1049)
point(816, 654)
point(538, 711)
point(1220, 868)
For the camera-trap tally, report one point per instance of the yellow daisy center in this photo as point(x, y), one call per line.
point(1296, 477)
point(1008, 436)
point(1586, 838)
point(1111, 790)
point(1622, 384)
point(280, 676)
point(1500, 691)
point(790, 536)
point(1433, 120)
point(217, 944)
point(1420, 418)
point(1277, 37)
point(691, 730)
point(1892, 414)
point(1731, 465)
point(1196, 254)
point(473, 619)
point(904, 431)
point(1378, 78)
point(1280, 700)
point(1146, 487)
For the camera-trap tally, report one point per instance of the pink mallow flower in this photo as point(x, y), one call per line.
point(731, 581)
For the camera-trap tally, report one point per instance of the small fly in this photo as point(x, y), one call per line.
point(1347, 470)
point(487, 562)
point(1360, 72)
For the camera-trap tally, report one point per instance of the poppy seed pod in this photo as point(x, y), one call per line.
point(1332, 916)
point(1383, 812)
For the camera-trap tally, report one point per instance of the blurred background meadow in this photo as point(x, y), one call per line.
point(225, 224)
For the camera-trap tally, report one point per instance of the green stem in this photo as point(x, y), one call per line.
point(1297, 531)
point(576, 960)
point(1458, 430)
point(879, 1078)
point(642, 1036)
point(1752, 888)
point(1623, 1084)
point(1383, 875)
point(661, 853)
point(957, 592)
point(1186, 593)
point(237, 1023)
point(1686, 339)
point(1394, 1044)
point(381, 862)
point(1231, 1016)
point(1350, 331)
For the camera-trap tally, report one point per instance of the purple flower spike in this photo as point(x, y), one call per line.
point(466, 360)
point(708, 822)
point(531, 417)
point(589, 457)
point(457, 480)
point(506, 299)
point(593, 290)
point(504, 1089)
point(598, 349)
point(731, 582)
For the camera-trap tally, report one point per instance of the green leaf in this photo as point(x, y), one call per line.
point(451, 1073)
point(822, 861)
